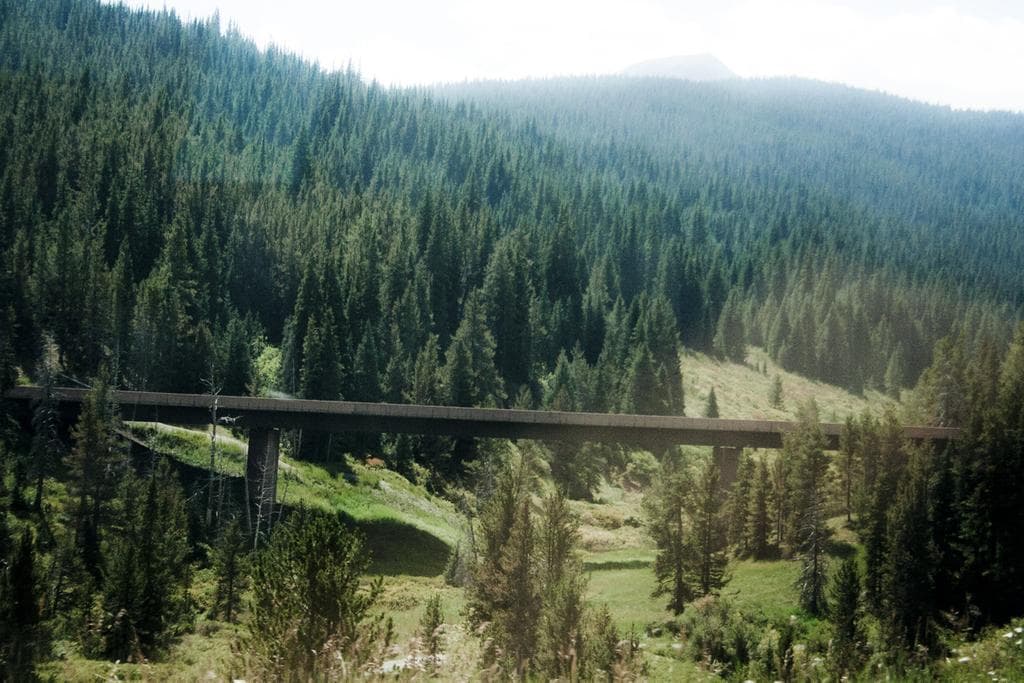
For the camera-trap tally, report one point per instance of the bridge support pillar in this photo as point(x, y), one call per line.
point(261, 477)
point(728, 461)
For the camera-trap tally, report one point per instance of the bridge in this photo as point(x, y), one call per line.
point(265, 417)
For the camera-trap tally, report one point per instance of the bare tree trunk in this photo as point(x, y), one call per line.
point(213, 462)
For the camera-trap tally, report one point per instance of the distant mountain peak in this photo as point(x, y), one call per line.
point(703, 67)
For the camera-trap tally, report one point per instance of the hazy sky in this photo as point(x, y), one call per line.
point(960, 53)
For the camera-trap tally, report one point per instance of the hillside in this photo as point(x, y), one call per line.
point(181, 211)
point(202, 182)
point(411, 532)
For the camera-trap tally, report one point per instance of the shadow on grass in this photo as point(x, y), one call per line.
point(615, 564)
point(840, 549)
point(398, 548)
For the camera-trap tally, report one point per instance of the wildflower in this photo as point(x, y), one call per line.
point(964, 659)
point(1008, 635)
point(1019, 629)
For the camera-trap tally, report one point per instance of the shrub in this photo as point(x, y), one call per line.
point(311, 618)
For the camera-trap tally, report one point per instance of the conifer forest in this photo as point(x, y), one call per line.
point(182, 211)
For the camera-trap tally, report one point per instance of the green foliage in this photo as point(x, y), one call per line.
point(145, 580)
point(665, 506)
point(758, 531)
point(469, 375)
point(310, 613)
point(730, 337)
point(775, 393)
point(711, 407)
point(709, 532)
point(95, 467)
point(845, 613)
point(23, 636)
point(805, 448)
point(431, 628)
point(231, 566)
point(528, 591)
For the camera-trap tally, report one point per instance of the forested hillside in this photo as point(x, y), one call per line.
point(181, 211)
point(170, 193)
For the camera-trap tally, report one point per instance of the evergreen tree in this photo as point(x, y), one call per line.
point(235, 362)
point(469, 375)
point(230, 565)
point(805, 447)
point(22, 635)
point(95, 466)
point(643, 394)
point(845, 615)
point(561, 648)
point(310, 611)
point(711, 407)
point(665, 506)
point(431, 627)
point(145, 592)
point(775, 392)
point(738, 506)
point(708, 536)
point(907, 574)
point(730, 337)
point(758, 520)
point(321, 376)
point(847, 463)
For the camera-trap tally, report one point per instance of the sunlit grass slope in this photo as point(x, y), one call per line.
point(742, 391)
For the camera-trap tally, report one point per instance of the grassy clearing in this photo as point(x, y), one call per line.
point(742, 391)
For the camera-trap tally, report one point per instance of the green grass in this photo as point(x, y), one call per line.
point(407, 530)
point(742, 391)
point(627, 592)
point(768, 587)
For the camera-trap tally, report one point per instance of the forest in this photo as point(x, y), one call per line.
point(182, 211)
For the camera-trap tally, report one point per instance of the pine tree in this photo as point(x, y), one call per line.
point(758, 519)
point(469, 375)
point(730, 337)
point(431, 628)
point(235, 371)
point(22, 635)
point(738, 506)
point(47, 447)
point(321, 376)
point(230, 565)
point(708, 538)
point(845, 615)
point(848, 449)
point(144, 593)
point(516, 622)
point(665, 506)
point(561, 648)
point(805, 447)
point(642, 393)
point(711, 407)
point(310, 610)
point(907, 575)
point(775, 393)
point(95, 466)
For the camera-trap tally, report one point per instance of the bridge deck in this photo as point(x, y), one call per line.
point(350, 416)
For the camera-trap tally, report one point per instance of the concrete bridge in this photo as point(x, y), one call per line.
point(265, 417)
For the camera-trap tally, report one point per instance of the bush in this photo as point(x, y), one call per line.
point(722, 637)
point(311, 618)
point(642, 469)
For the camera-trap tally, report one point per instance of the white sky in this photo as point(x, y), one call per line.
point(967, 54)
